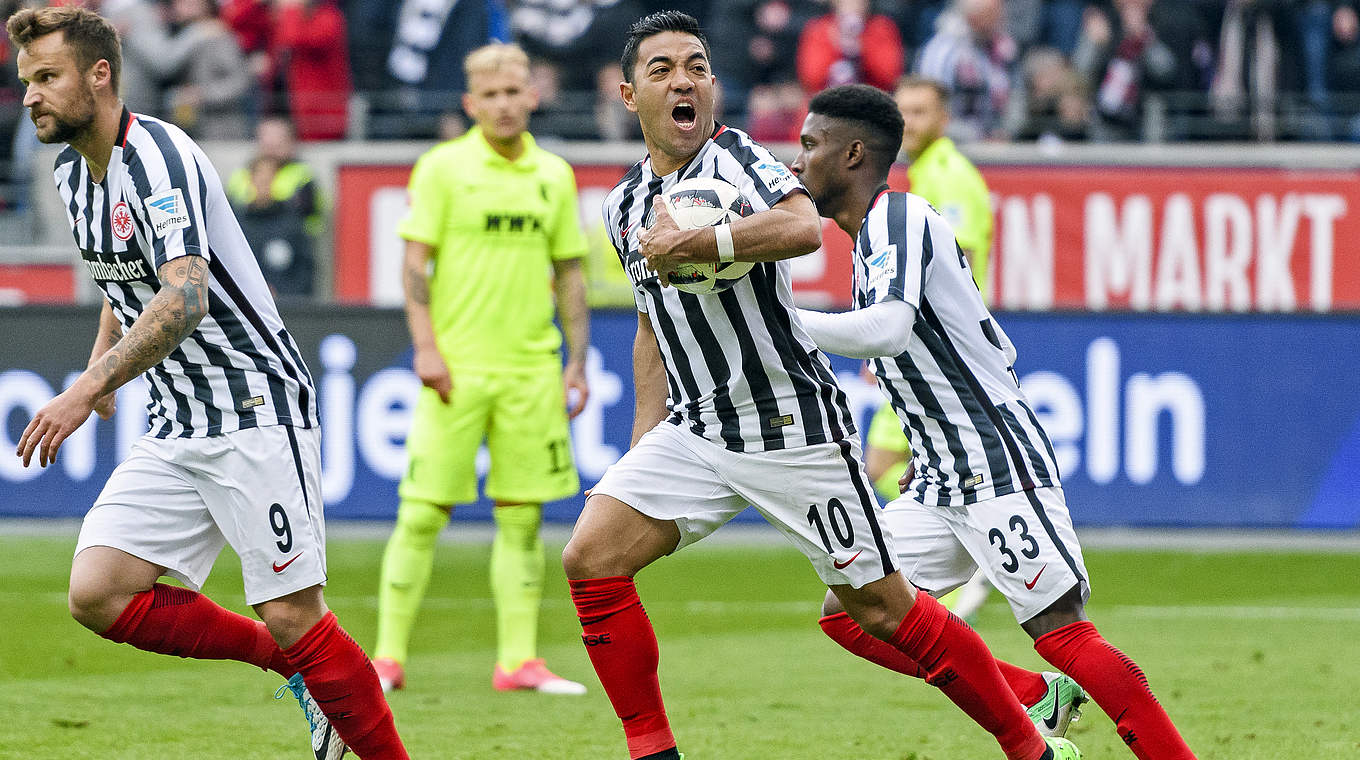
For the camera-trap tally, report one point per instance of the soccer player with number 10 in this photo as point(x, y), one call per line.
point(735, 406)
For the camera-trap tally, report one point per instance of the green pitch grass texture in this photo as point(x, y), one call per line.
point(1254, 656)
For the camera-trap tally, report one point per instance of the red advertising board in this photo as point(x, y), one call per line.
point(36, 283)
point(1090, 238)
point(1167, 239)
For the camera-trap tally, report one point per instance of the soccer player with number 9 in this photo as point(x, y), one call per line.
point(234, 451)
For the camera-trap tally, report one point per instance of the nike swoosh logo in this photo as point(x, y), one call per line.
point(1030, 584)
point(627, 230)
point(280, 568)
point(842, 565)
point(1051, 722)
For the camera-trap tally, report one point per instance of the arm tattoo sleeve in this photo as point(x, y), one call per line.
point(169, 318)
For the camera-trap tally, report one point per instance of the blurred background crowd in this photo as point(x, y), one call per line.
point(1101, 70)
point(1051, 71)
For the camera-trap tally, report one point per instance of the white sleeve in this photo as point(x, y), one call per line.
point(880, 329)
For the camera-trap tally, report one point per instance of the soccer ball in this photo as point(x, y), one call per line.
point(704, 202)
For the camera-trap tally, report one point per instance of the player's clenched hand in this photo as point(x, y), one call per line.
point(658, 244)
point(577, 390)
point(53, 424)
point(907, 477)
point(434, 373)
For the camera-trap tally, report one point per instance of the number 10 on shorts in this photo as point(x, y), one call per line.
point(839, 519)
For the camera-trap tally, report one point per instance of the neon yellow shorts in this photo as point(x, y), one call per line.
point(885, 431)
point(523, 420)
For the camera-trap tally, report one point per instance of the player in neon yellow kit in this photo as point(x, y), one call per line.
point(495, 214)
point(942, 175)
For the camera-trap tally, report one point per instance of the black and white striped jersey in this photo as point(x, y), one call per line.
point(740, 370)
point(972, 433)
point(161, 199)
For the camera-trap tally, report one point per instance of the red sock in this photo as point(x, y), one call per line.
point(1118, 685)
point(178, 621)
point(959, 663)
point(343, 683)
point(1029, 687)
point(622, 647)
point(845, 631)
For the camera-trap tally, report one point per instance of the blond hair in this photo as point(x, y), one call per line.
point(491, 58)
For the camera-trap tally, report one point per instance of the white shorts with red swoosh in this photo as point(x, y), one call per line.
point(176, 502)
point(1023, 542)
point(817, 496)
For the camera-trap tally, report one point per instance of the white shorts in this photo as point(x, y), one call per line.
point(1023, 542)
point(817, 496)
point(175, 502)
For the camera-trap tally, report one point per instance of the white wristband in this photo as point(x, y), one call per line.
point(726, 254)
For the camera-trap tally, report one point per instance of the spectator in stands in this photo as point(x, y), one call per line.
point(1270, 52)
point(613, 120)
point(1052, 104)
point(145, 34)
point(849, 46)
point(1047, 23)
point(16, 130)
point(775, 112)
point(578, 39)
point(252, 22)
point(309, 51)
point(280, 210)
point(1343, 71)
point(1122, 57)
point(210, 97)
point(409, 54)
point(971, 55)
point(752, 41)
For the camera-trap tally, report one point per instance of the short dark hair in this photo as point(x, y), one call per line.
point(869, 108)
point(88, 34)
point(653, 24)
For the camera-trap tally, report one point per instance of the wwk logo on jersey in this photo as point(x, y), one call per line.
point(168, 211)
point(776, 176)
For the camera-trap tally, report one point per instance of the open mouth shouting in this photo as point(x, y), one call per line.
point(685, 116)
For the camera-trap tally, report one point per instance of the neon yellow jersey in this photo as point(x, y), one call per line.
point(496, 227)
point(946, 178)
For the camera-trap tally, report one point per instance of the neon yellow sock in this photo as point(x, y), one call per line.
point(406, 567)
point(517, 582)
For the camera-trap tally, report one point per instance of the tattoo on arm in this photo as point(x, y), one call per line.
point(170, 317)
point(417, 286)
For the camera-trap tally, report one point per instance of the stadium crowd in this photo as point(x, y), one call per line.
point(1100, 70)
point(1017, 70)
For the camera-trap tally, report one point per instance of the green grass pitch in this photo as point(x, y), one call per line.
point(1254, 656)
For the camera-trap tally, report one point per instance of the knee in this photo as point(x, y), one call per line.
point(877, 621)
point(289, 618)
point(1068, 609)
point(93, 606)
point(831, 605)
point(421, 521)
point(578, 562)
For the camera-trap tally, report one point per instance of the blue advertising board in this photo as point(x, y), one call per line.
point(1157, 420)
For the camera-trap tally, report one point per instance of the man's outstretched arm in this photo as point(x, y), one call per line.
point(171, 315)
